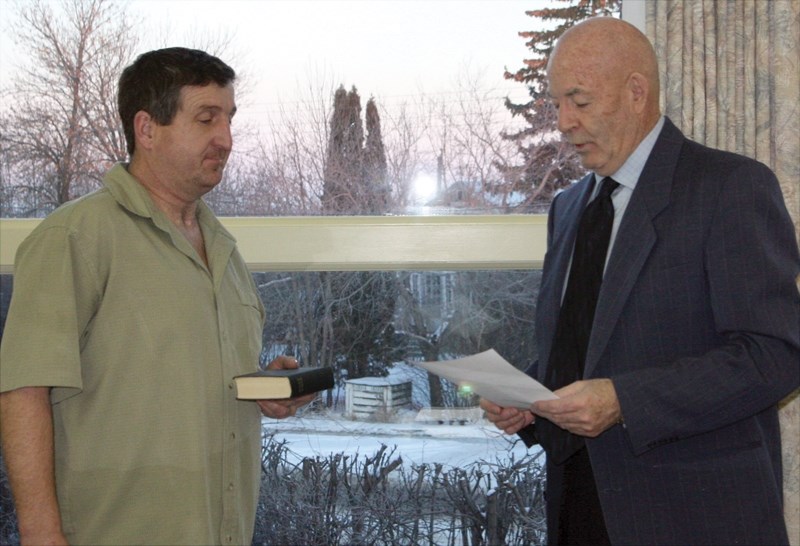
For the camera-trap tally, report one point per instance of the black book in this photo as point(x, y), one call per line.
point(274, 384)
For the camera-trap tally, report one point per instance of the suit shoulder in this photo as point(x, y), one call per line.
point(721, 163)
point(572, 191)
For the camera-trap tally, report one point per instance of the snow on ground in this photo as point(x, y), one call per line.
point(311, 434)
point(452, 445)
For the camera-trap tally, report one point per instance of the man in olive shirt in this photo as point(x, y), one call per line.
point(132, 311)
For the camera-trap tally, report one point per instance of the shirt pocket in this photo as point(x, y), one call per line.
point(245, 318)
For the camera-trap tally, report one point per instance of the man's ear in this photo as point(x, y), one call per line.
point(638, 89)
point(143, 129)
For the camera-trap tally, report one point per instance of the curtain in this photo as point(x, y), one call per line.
point(730, 79)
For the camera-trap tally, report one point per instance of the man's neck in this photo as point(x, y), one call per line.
point(181, 210)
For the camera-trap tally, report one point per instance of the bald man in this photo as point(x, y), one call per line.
point(672, 406)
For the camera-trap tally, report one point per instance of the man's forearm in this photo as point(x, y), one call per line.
point(26, 428)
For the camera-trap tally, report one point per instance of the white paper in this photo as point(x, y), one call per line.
point(493, 378)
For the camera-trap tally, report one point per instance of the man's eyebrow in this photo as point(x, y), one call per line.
point(570, 93)
point(214, 109)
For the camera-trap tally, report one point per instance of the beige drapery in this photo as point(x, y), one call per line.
point(730, 78)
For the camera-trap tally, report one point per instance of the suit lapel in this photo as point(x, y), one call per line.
point(635, 239)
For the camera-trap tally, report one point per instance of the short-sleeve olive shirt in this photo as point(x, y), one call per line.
point(114, 309)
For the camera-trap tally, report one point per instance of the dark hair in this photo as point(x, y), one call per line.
point(153, 84)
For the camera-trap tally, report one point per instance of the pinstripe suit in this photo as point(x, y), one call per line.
point(698, 326)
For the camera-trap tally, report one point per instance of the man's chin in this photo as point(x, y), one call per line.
point(588, 161)
point(210, 180)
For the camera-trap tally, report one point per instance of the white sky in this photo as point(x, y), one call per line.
point(390, 49)
point(387, 48)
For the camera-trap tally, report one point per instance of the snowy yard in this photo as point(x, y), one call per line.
point(453, 445)
point(311, 434)
point(341, 481)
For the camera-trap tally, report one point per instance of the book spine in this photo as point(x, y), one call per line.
point(309, 383)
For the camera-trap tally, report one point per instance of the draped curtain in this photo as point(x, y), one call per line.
point(730, 78)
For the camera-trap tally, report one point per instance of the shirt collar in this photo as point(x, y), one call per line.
point(130, 194)
point(628, 174)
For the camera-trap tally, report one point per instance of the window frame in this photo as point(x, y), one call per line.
point(364, 243)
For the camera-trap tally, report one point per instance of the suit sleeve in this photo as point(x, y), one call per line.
point(528, 434)
point(750, 268)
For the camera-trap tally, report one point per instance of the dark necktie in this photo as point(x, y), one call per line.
point(568, 355)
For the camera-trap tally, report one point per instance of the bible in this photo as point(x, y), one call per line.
point(274, 384)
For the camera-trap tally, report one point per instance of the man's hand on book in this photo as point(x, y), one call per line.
point(279, 409)
point(509, 420)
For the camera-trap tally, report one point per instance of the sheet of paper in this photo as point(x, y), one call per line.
point(493, 378)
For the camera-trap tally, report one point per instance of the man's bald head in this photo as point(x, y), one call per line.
point(610, 48)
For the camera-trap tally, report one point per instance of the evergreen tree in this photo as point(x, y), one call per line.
point(375, 169)
point(549, 162)
point(343, 189)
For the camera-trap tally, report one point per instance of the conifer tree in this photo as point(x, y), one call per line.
point(343, 189)
point(549, 163)
point(375, 169)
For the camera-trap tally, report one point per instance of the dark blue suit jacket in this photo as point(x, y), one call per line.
point(698, 326)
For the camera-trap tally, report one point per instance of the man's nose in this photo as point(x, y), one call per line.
point(223, 137)
point(566, 118)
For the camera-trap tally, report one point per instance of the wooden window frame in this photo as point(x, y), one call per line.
point(365, 243)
